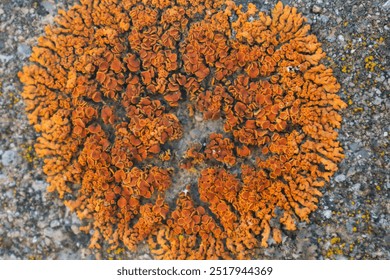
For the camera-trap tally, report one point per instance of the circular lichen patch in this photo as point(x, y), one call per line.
point(111, 90)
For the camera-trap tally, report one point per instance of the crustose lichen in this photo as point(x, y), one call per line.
point(103, 91)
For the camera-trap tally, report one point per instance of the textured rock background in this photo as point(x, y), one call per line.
point(352, 221)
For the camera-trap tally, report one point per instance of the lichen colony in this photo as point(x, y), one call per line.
point(103, 89)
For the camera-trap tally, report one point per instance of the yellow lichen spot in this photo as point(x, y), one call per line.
point(335, 240)
point(358, 109)
point(28, 153)
point(346, 69)
point(119, 251)
point(370, 64)
point(334, 251)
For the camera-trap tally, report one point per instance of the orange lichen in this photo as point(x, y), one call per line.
point(193, 156)
point(104, 90)
point(243, 151)
point(165, 156)
point(220, 149)
point(190, 233)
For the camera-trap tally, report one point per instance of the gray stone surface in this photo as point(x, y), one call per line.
point(352, 219)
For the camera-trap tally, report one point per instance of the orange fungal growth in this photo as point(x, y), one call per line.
point(111, 86)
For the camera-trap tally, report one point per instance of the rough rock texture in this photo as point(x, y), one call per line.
point(352, 219)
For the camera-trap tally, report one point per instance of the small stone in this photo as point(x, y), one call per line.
point(10, 157)
point(56, 236)
point(340, 178)
point(363, 153)
point(354, 146)
point(195, 133)
point(75, 229)
point(324, 19)
point(380, 79)
point(145, 257)
point(198, 117)
point(48, 232)
point(47, 241)
point(331, 38)
point(377, 101)
point(23, 51)
point(385, 134)
point(349, 226)
point(352, 171)
point(24, 11)
point(75, 220)
point(14, 234)
point(356, 187)
point(386, 6)
point(42, 224)
point(7, 243)
point(377, 91)
point(54, 224)
point(327, 214)
point(9, 194)
point(4, 180)
point(387, 240)
point(316, 9)
point(341, 38)
point(39, 185)
point(49, 7)
point(5, 58)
